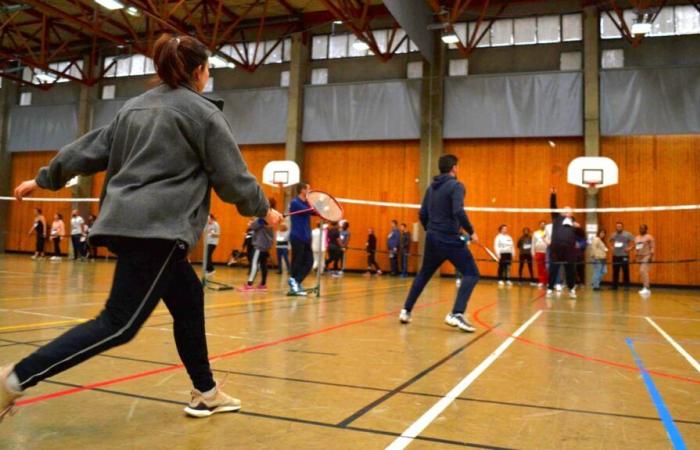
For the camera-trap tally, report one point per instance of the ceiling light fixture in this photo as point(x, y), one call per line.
point(449, 37)
point(360, 46)
point(110, 4)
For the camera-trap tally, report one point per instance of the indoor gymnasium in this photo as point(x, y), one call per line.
point(349, 224)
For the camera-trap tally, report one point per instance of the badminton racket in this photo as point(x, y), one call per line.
point(323, 204)
point(487, 250)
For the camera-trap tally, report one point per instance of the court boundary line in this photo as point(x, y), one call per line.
point(365, 388)
point(671, 430)
point(218, 357)
point(693, 362)
point(574, 354)
point(429, 416)
point(398, 389)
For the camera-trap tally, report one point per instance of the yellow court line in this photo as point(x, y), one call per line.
point(40, 324)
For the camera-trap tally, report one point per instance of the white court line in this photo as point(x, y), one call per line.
point(634, 316)
point(675, 344)
point(426, 419)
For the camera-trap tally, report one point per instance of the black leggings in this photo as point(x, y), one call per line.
point(504, 266)
point(372, 263)
point(335, 256)
point(562, 255)
point(525, 258)
point(146, 271)
point(210, 254)
point(259, 262)
point(56, 246)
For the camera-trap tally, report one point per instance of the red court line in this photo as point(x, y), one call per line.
point(252, 348)
point(564, 351)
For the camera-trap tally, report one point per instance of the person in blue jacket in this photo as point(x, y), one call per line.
point(443, 217)
point(300, 239)
point(393, 241)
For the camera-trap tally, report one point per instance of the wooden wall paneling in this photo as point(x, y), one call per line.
point(25, 166)
point(513, 173)
point(657, 171)
point(381, 171)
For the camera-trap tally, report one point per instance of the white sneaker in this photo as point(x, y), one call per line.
point(458, 282)
point(559, 287)
point(509, 283)
point(201, 406)
point(501, 283)
point(572, 293)
point(404, 316)
point(645, 291)
point(540, 285)
point(459, 321)
point(549, 293)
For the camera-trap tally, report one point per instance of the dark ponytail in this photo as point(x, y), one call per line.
point(176, 57)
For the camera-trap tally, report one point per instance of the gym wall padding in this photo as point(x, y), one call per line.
point(650, 101)
point(34, 128)
point(388, 110)
point(516, 105)
point(104, 111)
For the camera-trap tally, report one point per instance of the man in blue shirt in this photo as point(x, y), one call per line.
point(393, 241)
point(443, 217)
point(300, 240)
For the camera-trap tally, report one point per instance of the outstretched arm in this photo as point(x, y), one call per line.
point(553, 203)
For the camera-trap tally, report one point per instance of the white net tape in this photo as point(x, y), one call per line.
point(417, 206)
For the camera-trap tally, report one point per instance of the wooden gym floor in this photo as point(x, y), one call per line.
point(340, 371)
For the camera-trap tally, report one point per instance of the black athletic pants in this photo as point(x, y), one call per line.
point(77, 245)
point(372, 262)
point(146, 271)
point(302, 260)
point(525, 258)
point(504, 266)
point(439, 249)
point(335, 256)
point(259, 262)
point(56, 245)
point(621, 262)
point(39, 243)
point(562, 255)
point(210, 253)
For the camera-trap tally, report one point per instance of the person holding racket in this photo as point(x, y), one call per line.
point(300, 212)
point(163, 153)
point(442, 216)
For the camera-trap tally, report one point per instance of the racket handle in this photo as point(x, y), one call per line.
point(295, 213)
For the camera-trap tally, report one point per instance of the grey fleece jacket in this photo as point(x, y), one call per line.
point(163, 153)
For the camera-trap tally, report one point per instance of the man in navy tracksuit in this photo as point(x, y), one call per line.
point(564, 233)
point(442, 215)
point(300, 240)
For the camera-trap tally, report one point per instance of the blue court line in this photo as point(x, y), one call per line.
point(673, 434)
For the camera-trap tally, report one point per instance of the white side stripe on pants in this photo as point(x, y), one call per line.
point(426, 419)
point(120, 331)
point(254, 266)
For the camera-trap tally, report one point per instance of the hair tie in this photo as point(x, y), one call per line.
point(177, 40)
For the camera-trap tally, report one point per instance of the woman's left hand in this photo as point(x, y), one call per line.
point(25, 189)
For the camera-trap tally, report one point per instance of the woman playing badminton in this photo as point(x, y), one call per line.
point(443, 217)
point(162, 152)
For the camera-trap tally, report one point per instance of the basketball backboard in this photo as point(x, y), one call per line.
point(281, 173)
point(592, 172)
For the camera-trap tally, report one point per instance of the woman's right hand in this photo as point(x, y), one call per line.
point(273, 217)
point(25, 189)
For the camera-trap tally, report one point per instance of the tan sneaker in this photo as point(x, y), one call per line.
point(201, 406)
point(7, 396)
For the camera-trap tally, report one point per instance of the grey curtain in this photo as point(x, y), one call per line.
point(650, 101)
point(520, 105)
point(361, 112)
point(42, 127)
point(257, 116)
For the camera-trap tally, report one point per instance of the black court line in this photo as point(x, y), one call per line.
point(376, 389)
point(292, 419)
point(367, 408)
point(313, 301)
point(311, 353)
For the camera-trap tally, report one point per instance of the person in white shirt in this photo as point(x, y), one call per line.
point(213, 233)
point(503, 246)
point(282, 243)
point(319, 251)
point(539, 249)
point(77, 233)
